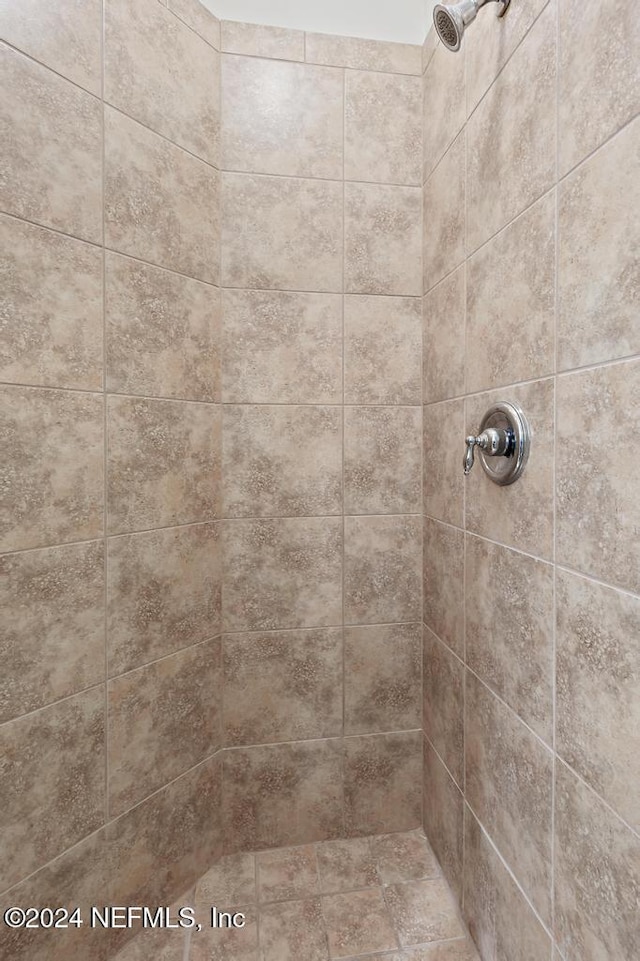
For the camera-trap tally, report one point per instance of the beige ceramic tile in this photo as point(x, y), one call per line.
point(52, 773)
point(429, 46)
point(444, 104)
point(282, 573)
point(599, 267)
point(404, 857)
point(442, 809)
point(423, 911)
point(287, 874)
point(382, 239)
point(281, 233)
point(282, 347)
point(164, 463)
point(282, 686)
point(382, 783)
point(382, 569)
point(443, 216)
point(162, 332)
point(460, 949)
point(52, 487)
point(283, 794)
point(382, 344)
point(282, 461)
point(443, 572)
point(520, 515)
point(162, 944)
point(383, 128)
point(509, 629)
point(444, 339)
point(161, 204)
point(292, 930)
point(54, 286)
point(443, 481)
point(163, 593)
point(199, 18)
point(508, 784)
point(382, 678)
point(598, 662)
point(225, 944)
point(232, 880)
point(65, 36)
point(383, 461)
point(360, 54)
point(161, 73)
point(513, 129)
point(255, 40)
point(598, 74)
point(52, 643)
point(346, 865)
point(282, 118)
point(443, 704)
point(597, 493)
point(511, 302)
point(357, 922)
point(597, 876)
point(52, 148)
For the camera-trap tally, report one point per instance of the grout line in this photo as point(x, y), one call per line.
point(321, 739)
point(105, 440)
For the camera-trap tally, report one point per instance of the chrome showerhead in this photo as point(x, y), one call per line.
point(451, 20)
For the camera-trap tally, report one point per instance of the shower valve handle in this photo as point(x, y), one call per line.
point(493, 441)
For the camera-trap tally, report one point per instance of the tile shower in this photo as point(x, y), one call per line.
point(257, 287)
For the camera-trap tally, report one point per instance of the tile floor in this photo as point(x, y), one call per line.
point(380, 897)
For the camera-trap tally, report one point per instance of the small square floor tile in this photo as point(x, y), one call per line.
point(231, 881)
point(287, 874)
point(404, 857)
point(423, 911)
point(293, 930)
point(357, 923)
point(346, 865)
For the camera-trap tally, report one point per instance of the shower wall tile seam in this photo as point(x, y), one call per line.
point(325, 180)
point(164, 657)
point(311, 63)
point(334, 738)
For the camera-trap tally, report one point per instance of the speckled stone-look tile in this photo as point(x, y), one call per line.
point(509, 786)
point(51, 150)
point(163, 593)
point(162, 332)
point(52, 643)
point(283, 794)
point(443, 704)
point(443, 217)
point(52, 773)
point(444, 105)
point(382, 569)
point(423, 911)
point(520, 515)
point(382, 678)
point(383, 462)
point(429, 46)
point(346, 865)
point(383, 128)
point(280, 232)
point(509, 629)
point(164, 463)
point(443, 574)
point(598, 74)
point(51, 477)
point(281, 347)
point(282, 118)
point(514, 129)
point(511, 302)
point(65, 37)
point(256, 40)
point(404, 857)
point(282, 461)
point(460, 949)
point(53, 284)
point(361, 54)
point(161, 203)
point(163, 719)
point(444, 339)
point(382, 239)
point(382, 782)
point(75, 879)
point(357, 922)
point(282, 686)
point(282, 573)
point(382, 344)
point(292, 930)
point(232, 880)
point(599, 266)
point(225, 944)
point(598, 661)
point(597, 494)
point(443, 815)
point(500, 921)
point(163, 74)
point(198, 18)
point(443, 482)
point(597, 877)
point(287, 874)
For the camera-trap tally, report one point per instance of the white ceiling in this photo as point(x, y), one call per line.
point(406, 21)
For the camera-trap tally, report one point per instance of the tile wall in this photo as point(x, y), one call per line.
point(532, 592)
